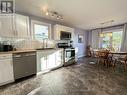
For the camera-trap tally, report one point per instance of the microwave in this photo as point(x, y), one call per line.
point(65, 35)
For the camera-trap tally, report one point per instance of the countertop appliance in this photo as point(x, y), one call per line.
point(65, 35)
point(6, 69)
point(6, 48)
point(24, 64)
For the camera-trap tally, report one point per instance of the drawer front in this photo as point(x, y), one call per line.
point(5, 56)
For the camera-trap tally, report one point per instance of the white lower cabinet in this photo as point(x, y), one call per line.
point(58, 57)
point(6, 69)
point(49, 59)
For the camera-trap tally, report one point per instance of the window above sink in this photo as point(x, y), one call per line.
point(40, 30)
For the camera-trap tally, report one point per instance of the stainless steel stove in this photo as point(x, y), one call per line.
point(69, 52)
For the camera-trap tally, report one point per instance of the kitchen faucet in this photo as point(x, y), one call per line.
point(45, 42)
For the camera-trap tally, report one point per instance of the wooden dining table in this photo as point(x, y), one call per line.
point(113, 55)
point(118, 53)
point(112, 52)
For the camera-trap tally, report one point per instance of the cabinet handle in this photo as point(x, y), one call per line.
point(32, 54)
point(17, 56)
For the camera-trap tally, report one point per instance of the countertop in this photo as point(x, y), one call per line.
point(17, 51)
point(28, 50)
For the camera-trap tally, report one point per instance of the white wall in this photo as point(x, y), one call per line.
point(81, 46)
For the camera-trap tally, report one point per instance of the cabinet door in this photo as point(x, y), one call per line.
point(6, 71)
point(22, 26)
point(51, 62)
point(59, 58)
point(43, 65)
point(41, 61)
point(6, 26)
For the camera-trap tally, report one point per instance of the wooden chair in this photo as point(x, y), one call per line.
point(123, 60)
point(103, 56)
point(113, 61)
point(89, 51)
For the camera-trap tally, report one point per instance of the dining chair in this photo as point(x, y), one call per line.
point(89, 51)
point(113, 60)
point(103, 57)
point(123, 60)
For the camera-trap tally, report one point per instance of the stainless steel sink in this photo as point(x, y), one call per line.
point(44, 48)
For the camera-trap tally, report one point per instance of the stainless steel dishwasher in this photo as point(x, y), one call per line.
point(24, 64)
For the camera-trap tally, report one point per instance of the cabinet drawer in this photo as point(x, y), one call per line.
point(5, 56)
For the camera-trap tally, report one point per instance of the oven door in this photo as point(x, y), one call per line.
point(69, 54)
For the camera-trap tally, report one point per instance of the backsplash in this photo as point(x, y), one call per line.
point(22, 44)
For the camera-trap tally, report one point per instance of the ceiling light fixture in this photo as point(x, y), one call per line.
point(54, 14)
point(107, 22)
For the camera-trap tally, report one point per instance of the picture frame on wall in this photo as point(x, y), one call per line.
point(80, 38)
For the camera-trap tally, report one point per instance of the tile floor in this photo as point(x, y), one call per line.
point(79, 79)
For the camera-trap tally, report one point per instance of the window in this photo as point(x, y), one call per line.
point(40, 30)
point(111, 40)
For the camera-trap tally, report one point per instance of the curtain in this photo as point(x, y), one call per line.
point(96, 38)
point(90, 38)
point(124, 39)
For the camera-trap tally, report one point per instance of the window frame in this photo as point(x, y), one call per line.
point(111, 38)
point(33, 22)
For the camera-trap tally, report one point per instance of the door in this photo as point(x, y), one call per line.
point(7, 26)
point(6, 71)
point(22, 26)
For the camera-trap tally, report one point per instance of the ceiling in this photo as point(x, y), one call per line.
point(86, 14)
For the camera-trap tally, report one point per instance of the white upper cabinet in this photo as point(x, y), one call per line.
point(14, 26)
point(6, 26)
point(22, 26)
point(58, 28)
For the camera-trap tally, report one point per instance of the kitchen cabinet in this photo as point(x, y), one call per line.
point(7, 26)
point(49, 59)
point(22, 26)
point(58, 28)
point(14, 26)
point(58, 57)
point(6, 69)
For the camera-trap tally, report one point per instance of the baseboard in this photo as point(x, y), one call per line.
point(81, 56)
